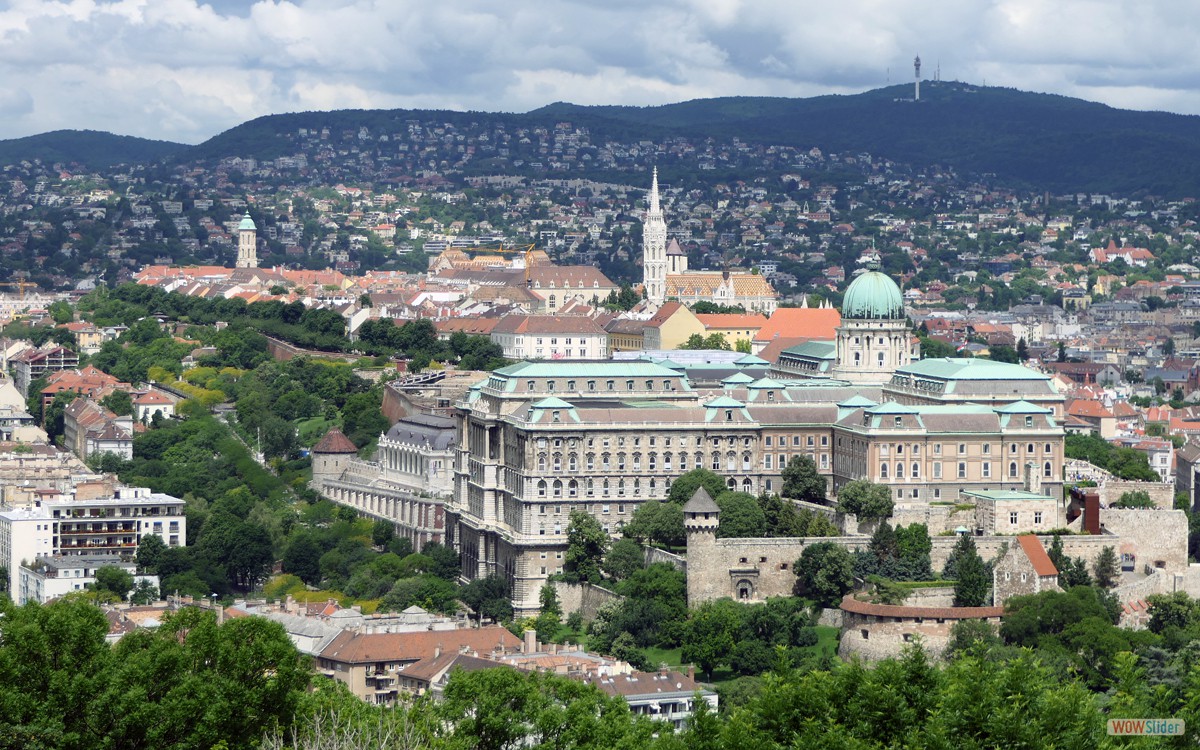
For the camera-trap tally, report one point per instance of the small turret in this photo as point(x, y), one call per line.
point(701, 516)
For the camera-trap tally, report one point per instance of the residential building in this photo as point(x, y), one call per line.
point(671, 325)
point(89, 528)
point(32, 364)
point(550, 337)
point(48, 578)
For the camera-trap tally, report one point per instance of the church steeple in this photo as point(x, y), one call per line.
point(654, 249)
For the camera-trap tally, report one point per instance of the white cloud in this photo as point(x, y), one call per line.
point(187, 69)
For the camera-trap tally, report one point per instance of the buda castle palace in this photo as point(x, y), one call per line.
point(538, 440)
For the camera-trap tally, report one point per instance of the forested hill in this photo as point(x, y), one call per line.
point(92, 149)
point(1040, 141)
point(1043, 141)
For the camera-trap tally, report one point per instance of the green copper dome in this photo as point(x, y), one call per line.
point(873, 295)
point(247, 223)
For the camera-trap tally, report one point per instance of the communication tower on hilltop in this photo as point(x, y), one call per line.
point(917, 72)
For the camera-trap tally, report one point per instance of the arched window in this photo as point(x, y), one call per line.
point(572, 463)
point(620, 462)
point(637, 487)
point(557, 488)
point(572, 488)
point(1012, 448)
point(637, 461)
point(745, 462)
point(621, 487)
point(731, 483)
point(541, 462)
point(716, 461)
point(604, 488)
point(1047, 470)
point(591, 488)
point(1029, 448)
point(1012, 469)
point(591, 461)
point(605, 460)
point(883, 471)
point(916, 471)
point(541, 488)
point(652, 462)
point(557, 462)
point(747, 485)
point(731, 461)
point(899, 471)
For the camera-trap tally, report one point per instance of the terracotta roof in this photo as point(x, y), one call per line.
point(1037, 555)
point(801, 322)
point(850, 604)
point(664, 314)
point(731, 320)
point(351, 647)
point(334, 442)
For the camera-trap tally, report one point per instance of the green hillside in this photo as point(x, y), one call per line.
point(91, 148)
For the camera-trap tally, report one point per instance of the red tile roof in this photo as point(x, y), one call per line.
point(351, 647)
point(1032, 546)
point(334, 442)
point(806, 322)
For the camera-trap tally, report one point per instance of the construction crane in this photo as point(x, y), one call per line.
point(526, 251)
point(20, 285)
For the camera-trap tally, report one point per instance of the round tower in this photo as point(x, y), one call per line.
point(247, 256)
point(331, 456)
point(701, 516)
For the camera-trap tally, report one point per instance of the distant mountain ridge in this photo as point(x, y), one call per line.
point(1038, 141)
point(92, 148)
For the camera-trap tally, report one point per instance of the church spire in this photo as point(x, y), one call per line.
point(654, 206)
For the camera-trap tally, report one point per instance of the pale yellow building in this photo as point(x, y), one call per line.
point(670, 327)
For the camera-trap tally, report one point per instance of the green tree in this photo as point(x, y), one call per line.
point(119, 403)
point(382, 533)
point(144, 593)
point(303, 558)
point(741, 515)
point(866, 500)
point(686, 485)
point(1134, 499)
point(973, 581)
point(624, 558)
point(802, 482)
point(115, 580)
point(587, 544)
point(488, 597)
point(60, 311)
point(1003, 353)
point(1107, 568)
point(150, 551)
point(825, 571)
point(710, 634)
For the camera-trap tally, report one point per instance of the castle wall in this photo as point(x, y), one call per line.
point(1162, 493)
point(1151, 536)
point(583, 598)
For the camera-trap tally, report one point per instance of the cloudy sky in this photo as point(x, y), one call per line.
point(185, 70)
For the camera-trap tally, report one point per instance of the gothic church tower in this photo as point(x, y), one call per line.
point(654, 249)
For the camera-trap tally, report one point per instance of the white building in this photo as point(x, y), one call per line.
point(550, 337)
point(49, 578)
point(89, 528)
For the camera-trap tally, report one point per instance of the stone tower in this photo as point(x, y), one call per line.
point(654, 249)
point(331, 456)
point(247, 256)
point(701, 516)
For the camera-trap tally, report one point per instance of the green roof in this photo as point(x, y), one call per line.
point(891, 407)
point(724, 402)
point(247, 223)
point(858, 400)
point(816, 349)
point(553, 403)
point(1023, 407)
point(966, 368)
point(738, 377)
point(750, 359)
point(873, 295)
point(762, 383)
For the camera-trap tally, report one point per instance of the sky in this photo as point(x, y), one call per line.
point(184, 70)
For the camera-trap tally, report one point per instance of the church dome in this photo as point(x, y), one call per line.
point(873, 295)
point(247, 223)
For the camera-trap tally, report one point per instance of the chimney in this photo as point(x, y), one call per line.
point(530, 641)
point(437, 651)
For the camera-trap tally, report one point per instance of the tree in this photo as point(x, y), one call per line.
point(1134, 499)
point(656, 522)
point(741, 515)
point(825, 571)
point(802, 482)
point(144, 593)
point(303, 558)
point(488, 597)
point(587, 543)
point(114, 579)
point(1022, 350)
point(1107, 569)
point(119, 403)
point(710, 634)
point(1003, 353)
point(973, 584)
point(686, 485)
point(623, 559)
point(150, 551)
point(866, 500)
point(1062, 351)
point(382, 533)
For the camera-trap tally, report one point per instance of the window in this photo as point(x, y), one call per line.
point(937, 449)
point(937, 470)
point(962, 470)
point(796, 441)
point(937, 493)
point(1012, 469)
point(916, 471)
point(1029, 421)
point(916, 450)
point(899, 471)
point(1037, 516)
point(1047, 470)
point(824, 460)
point(550, 386)
point(987, 449)
point(824, 441)
point(1012, 518)
point(1012, 448)
point(767, 461)
point(962, 449)
point(591, 385)
point(1048, 449)
point(987, 469)
point(1029, 448)
point(899, 449)
point(767, 441)
point(883, 471)
point(541, 490)
point(611, 384)
point(810, 442)
point(570, 385)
